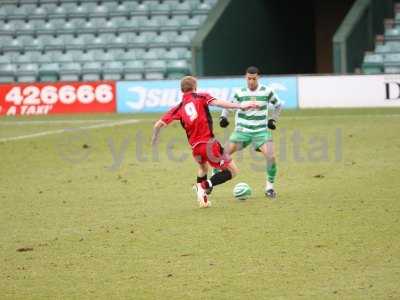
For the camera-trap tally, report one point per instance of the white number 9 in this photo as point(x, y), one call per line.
point(191, 111)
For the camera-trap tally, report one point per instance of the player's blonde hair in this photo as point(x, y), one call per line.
point(188, 83)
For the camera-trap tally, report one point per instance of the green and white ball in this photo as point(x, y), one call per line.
point(242, 191)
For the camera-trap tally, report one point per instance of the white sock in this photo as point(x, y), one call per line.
point(270, 186)
point(209, 183)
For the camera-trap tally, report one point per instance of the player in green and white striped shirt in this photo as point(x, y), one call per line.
point(254, 126)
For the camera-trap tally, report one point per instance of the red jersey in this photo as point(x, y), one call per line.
point(194, 116)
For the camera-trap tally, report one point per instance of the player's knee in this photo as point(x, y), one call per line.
point(270, 160)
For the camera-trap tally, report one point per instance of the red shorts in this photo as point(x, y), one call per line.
point(213, 153)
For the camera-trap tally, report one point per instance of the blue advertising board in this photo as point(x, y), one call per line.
point(159, 96)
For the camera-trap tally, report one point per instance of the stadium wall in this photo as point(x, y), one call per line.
point(276, 35)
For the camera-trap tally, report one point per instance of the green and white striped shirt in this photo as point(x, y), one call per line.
point(255, 120)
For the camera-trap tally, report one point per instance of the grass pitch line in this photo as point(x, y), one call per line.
point(39, 122)
point(58, 131)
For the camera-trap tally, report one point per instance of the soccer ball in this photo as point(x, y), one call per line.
point(241, 191)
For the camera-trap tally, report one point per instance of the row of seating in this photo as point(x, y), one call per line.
point(176, 53)
point(90, 41)
point(87, 9)
point(112, 70)
point(99, 24)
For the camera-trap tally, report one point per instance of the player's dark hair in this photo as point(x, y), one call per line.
point(252, 70)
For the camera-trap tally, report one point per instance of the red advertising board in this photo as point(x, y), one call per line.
point(59, 97)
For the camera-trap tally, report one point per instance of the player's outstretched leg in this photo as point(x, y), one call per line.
point(268, 150)
point(221, 177)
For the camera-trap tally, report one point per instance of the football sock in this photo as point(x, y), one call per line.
point(271, 172)
point(201, 179)
point(215, 171)
point(270, 186)
point(220, 177)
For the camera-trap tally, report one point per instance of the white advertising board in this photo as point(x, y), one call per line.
point(349, 91)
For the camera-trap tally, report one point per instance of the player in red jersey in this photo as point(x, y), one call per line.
point(196, 119)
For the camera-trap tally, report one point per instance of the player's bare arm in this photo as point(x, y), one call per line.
point(230, 105)
point(156, 131)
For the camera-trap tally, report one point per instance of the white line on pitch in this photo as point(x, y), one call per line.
point(11, 123)
point(51, 132)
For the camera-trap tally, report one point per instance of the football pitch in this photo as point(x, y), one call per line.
point(90, 211)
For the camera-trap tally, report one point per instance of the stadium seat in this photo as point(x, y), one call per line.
point(70, 71)
point(49, 72)
point(155, 69)
point(180, 67)
point(85, 57)
point(27, 73)
point(91, 71)
point(155, 53)
point(391, 58)
point(392, 69)
point(113, 70)
point(373, 63)
point(7, 72)
point(4, 60)
point(133, 70)
point(23, 59)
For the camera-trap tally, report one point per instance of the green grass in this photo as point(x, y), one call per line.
point(134, 231)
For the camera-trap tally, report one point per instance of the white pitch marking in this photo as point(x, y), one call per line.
point(11, 123)
point(51, 132)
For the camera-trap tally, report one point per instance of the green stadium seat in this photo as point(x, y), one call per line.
point(56, 42)
point(155, 53)
point(128, 55)
point(88, 38)
point(135, 8)
point(133, 70)
point(76, 54)
point(37, 12)
point(37, 57)
point(117, 53)
point(76, 25)
point(26, 40)
point(12, 55)
point(49, 72)
point(35, 26)
point(27, 73)
point(70, 71)
point(157, 8)
point(15, 44)
point(373, 63)
point(113, 70)
point(178, 67)
point(5, 40)
point(392, 69)
point(391, 58)
point(91, 71)
point(86, 57)
point(54, 54)
point(4, 60)
point(49, 8)
point(7, 73)
point(23, 59)
point(155, 69)
point(172, 23)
